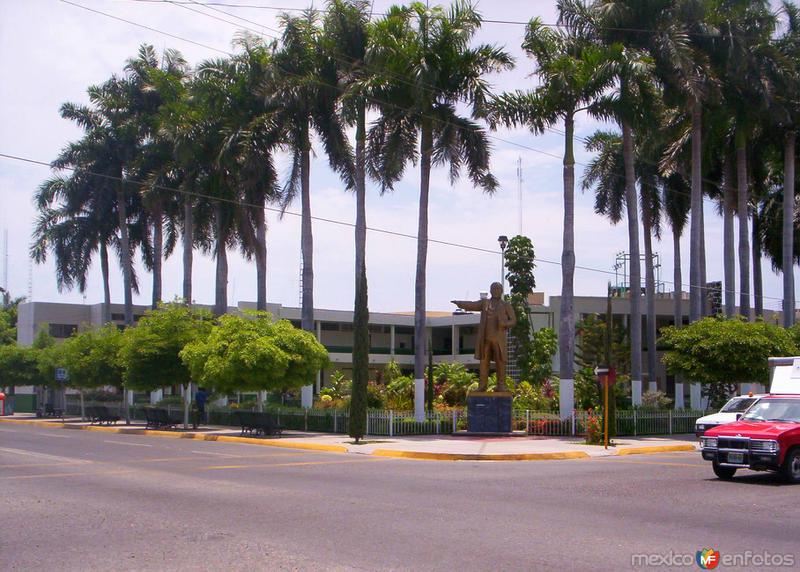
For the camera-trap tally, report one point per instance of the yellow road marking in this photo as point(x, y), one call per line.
point(298, 464)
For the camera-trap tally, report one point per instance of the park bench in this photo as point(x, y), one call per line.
point(256, 423)
point(100, 414)
point(160, 418)
point(50, 411)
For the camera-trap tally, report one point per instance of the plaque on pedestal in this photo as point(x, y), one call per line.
point(489, 413)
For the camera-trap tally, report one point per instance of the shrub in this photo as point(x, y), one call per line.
point(655, 400)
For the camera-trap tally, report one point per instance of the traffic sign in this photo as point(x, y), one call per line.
point(61, 374)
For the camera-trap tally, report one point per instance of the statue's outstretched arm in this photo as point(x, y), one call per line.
point(467, 305)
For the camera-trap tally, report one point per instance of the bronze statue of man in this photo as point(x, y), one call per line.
point(497, 316)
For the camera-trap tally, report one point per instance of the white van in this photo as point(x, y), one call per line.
point(784, 375)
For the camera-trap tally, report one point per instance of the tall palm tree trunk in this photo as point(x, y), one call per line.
point(420, 335)
point(261, 259)
point(106, 283)
point(696, 229)
point(188, 250)
point(704, 302)
point(729, 257)
point(758, 284)
point(158, 252)
point(221, 287)
point(677, 278)
point(636, 278)
point(125, 254)
point(306, 237)
point(125, 248)
point(744, 236)
point(788, 227)
point(650, 290)
point(358, 401)
point(566, 324)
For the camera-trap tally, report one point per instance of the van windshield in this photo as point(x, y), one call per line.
point(775, 410)
point(738, 404)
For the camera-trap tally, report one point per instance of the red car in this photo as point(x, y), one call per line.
point(765, 438)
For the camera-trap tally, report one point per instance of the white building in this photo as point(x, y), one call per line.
point(452, 334)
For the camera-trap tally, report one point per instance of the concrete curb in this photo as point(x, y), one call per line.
point(392, 453)
point(651, 450)
point(478, 457)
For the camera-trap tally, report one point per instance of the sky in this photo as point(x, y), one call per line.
point(51, 51)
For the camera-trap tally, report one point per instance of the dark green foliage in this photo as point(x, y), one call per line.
point(720, 353)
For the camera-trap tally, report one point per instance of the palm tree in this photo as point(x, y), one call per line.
point(677, 202)
point(252, 136)
point(606, 173)
point(347, 37)
point(155, 83)
point(786, 112)
point(427, 68)
point(743, 63)
point(74, 224)
point(677, 38)
point(107, 150)
point(572, 76)
point(303, 91)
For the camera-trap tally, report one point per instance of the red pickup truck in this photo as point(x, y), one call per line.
point(765, 438)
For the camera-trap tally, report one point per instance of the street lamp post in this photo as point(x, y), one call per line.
point(503, 241)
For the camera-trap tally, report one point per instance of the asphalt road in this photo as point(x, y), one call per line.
point(79, 500)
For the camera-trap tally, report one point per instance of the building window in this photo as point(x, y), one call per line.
point(62, 330)
point(329, 327)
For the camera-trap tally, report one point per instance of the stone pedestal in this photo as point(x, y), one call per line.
point(489, 413)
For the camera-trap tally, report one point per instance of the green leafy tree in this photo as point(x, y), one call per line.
point(8, 322)
point(720, 353)
point(519, 262)
point(91, 358)
point(254, 353)
point(150, 352)
point(19, 366)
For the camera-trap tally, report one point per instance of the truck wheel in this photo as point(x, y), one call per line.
point(791, 466)
point(724, 473)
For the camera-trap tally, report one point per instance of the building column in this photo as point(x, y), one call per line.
point(391, 340)
point(636, 392)
point(679, 404)
point(307, 391)
point(156, 396)
point(454, 344)
point(695, 396)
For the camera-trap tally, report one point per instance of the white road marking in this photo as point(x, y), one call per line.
point(124, 443)
point(41, 455)
point(211, 453)
point(54, 435)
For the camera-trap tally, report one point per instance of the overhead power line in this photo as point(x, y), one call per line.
point(483, 20)
point(337, 222)
point(342, 58)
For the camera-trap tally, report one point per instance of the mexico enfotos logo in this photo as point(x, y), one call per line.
point(710, 559)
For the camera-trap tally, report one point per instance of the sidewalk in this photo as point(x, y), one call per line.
point(426, 447)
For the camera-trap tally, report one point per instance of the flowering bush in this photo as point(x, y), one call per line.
point(594, 429)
